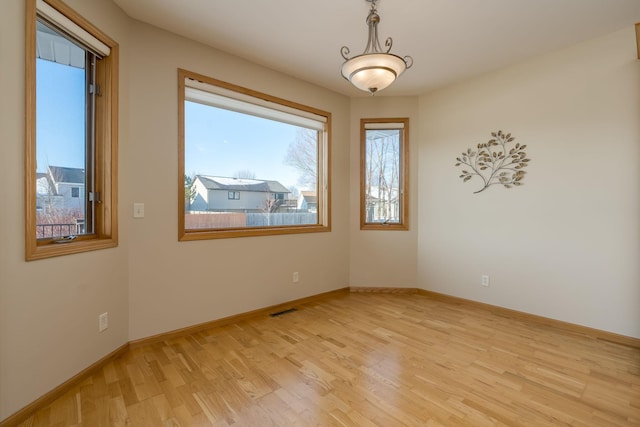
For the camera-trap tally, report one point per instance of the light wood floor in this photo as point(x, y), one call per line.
point(364, 360)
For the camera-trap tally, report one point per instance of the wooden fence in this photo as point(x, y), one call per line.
point(201, 220)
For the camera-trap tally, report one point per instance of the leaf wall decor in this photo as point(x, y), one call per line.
point(494, 162)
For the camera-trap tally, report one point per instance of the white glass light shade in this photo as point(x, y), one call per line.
point(374, 71)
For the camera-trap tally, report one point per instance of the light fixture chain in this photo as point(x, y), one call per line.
point(373, 43)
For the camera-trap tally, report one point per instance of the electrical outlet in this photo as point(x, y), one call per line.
point(296, 277)
point(103, 322)
point(484, 280)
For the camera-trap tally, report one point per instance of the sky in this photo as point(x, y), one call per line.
point(59, 103)
point(217, 142)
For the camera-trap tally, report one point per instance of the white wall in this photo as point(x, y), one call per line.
point(381, 258)
point(49, 308)
point(177, 284)
point(566, 245)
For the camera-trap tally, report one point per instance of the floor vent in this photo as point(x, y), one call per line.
point(280, 313)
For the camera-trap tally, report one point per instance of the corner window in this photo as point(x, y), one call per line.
point(71, 133)
point(384, 174)
point(234, 140)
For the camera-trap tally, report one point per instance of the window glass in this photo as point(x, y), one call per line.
point(384, 173)
point(247, 160)
point(61, 138)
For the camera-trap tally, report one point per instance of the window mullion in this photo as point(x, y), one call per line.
point(91, 196)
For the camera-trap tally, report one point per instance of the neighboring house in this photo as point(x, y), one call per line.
point(382, 205)
point(60, 188)
point(289, 205)
point(222, 194)
point(308, 201)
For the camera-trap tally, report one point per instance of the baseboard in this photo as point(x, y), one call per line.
point(553, 323)
point(383, 290)
point(52, 395)
point(177, 333)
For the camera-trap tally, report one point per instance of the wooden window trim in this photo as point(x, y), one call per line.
point(106, 145)
point(324, 172)
point(403, 225)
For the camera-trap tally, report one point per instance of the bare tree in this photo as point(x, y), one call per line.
point(56, 217)
point(302, 154)
point(382, 174)
point(272, 205)
point(245, 174)
point(295, 192)
point(189, 191)
point(269, 207)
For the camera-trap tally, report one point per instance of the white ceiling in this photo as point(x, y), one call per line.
point(449, 40)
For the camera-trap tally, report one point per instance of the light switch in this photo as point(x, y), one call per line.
point(138, 210)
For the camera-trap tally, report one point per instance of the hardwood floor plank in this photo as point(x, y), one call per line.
point(363, 359)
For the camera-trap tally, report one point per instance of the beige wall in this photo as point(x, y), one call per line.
point(176, 284)
point(151, 283)
point(49, 308)
point(566, 245)
point(383, 258)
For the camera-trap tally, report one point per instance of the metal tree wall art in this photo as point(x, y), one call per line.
point(495, 163)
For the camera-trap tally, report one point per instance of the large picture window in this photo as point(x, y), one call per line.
point(71, 133)
point(250, 164)
point(384, 149)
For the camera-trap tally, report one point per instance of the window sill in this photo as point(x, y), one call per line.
point(50, 249)
point(190, 235)
point(386, 227)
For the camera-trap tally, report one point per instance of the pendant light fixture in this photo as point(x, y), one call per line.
point(374, 69)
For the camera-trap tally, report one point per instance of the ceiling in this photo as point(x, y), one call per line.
point(449, 40)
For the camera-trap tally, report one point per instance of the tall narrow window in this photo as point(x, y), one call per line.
point(246, 159)
point(384, 149)
point(71, 133)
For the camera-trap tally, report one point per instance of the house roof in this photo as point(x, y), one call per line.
point(241, 184)
point(69, 175)
point(53, 47)
point(309, 196)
